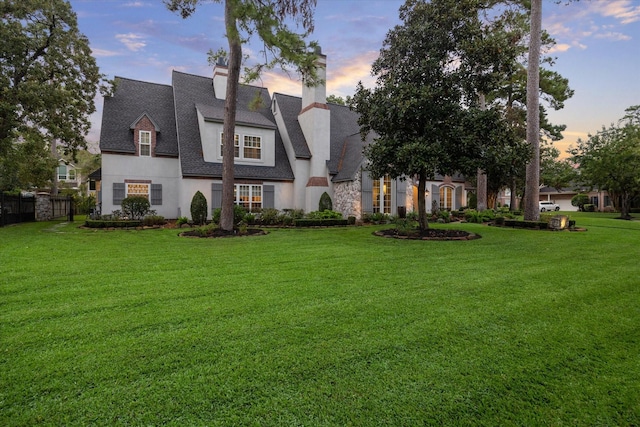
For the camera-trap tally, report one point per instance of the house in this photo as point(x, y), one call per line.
point(164, 142)
point(67, 175)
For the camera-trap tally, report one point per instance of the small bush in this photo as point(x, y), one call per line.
point(326, 214)
point(270, 216)
point(325, 202)
point(589, 207)
point(318, 222)
point(182, 220)
point(199, 208)
point(151, 220)
point(111, 223)
point(135, 207)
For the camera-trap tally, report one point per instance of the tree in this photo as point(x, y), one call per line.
point(579, 200)
point(282, 46)
point(609, 160)
point(339, 100)
point(27, 165)
point(555, 173)
point(48, 78)
point(422, 111)
point(532, 190)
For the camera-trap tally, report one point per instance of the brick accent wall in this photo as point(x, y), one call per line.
point(144, 124)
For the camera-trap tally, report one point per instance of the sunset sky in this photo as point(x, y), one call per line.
point(598, 49)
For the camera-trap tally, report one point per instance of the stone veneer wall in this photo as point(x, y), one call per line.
point(43, 207)
point(347, 197)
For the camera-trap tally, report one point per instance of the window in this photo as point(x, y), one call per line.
point(446, 197)
point(248, 196)
point(236, 143)
point(62, 173)
point(145, 143)
point(137, 189)
point(252, 147)
point(71, 175)
point(382, 195)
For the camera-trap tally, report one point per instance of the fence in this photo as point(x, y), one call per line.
point(41, 207)
point(14, 209)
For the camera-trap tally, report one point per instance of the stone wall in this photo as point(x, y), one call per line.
point(346, 197)
point(43, 207)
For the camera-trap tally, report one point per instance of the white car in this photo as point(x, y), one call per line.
point(548, 206)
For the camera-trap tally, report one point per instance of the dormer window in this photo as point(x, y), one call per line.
point(251, 148)
point(144, 141)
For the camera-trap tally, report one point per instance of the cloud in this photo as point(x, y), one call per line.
point(135, 4)
point(613, 36)
point(133, 42)
point(625, 11)
point(102, 53)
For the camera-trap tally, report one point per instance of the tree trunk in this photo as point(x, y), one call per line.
point(422, 208)
point(513, 198)
point(233, 79)
point(481, 191)
point(54, 154)
point(532, 192)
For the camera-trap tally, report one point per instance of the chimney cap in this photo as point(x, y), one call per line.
point(222, 61)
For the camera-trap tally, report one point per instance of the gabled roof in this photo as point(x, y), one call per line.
point(145, 114)
point(344, 124)
point(352, 157)
point(131, 100)
point(192, 92)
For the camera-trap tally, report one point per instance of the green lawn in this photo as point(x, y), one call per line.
point(329, 327)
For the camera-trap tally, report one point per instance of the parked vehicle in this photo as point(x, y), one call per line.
point(548, 206)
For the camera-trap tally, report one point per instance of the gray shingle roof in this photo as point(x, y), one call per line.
point(132, 99)
point(249, 118)
point(290, 107)
point(189, 91)
point(351, 157)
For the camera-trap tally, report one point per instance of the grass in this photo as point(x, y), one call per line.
point(320, 327)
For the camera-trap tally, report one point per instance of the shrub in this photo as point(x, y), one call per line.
point(199, 208)
point(325, 202)
point(270, 216)
point(351, 220)
point(319, 222)
point(589, 208)
point(326, 214)
point(182, 220)
point(84, 204)
point(135, 207)
point(580, 200)
point(151, 220)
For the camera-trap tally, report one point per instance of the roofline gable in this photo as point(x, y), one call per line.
point(136, 121)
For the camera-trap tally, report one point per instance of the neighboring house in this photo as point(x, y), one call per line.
point(165, 142)
point(95, 179)
point(67, 175)
point(563, 197)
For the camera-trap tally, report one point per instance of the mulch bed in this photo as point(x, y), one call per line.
point(428, 234)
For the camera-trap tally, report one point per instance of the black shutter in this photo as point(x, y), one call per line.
point(156, 194)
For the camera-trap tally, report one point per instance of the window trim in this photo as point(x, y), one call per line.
point(251, 204)
point(442, 194)
point(145, 144)
point(239, 152)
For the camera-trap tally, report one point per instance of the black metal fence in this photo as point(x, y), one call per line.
point(14, 209)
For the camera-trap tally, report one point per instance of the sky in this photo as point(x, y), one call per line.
point(598, 50)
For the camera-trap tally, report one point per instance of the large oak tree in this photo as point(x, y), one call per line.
point(425, 109)
point(48, 78)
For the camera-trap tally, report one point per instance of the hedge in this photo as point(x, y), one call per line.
point(100, 223)
point(306, 222)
